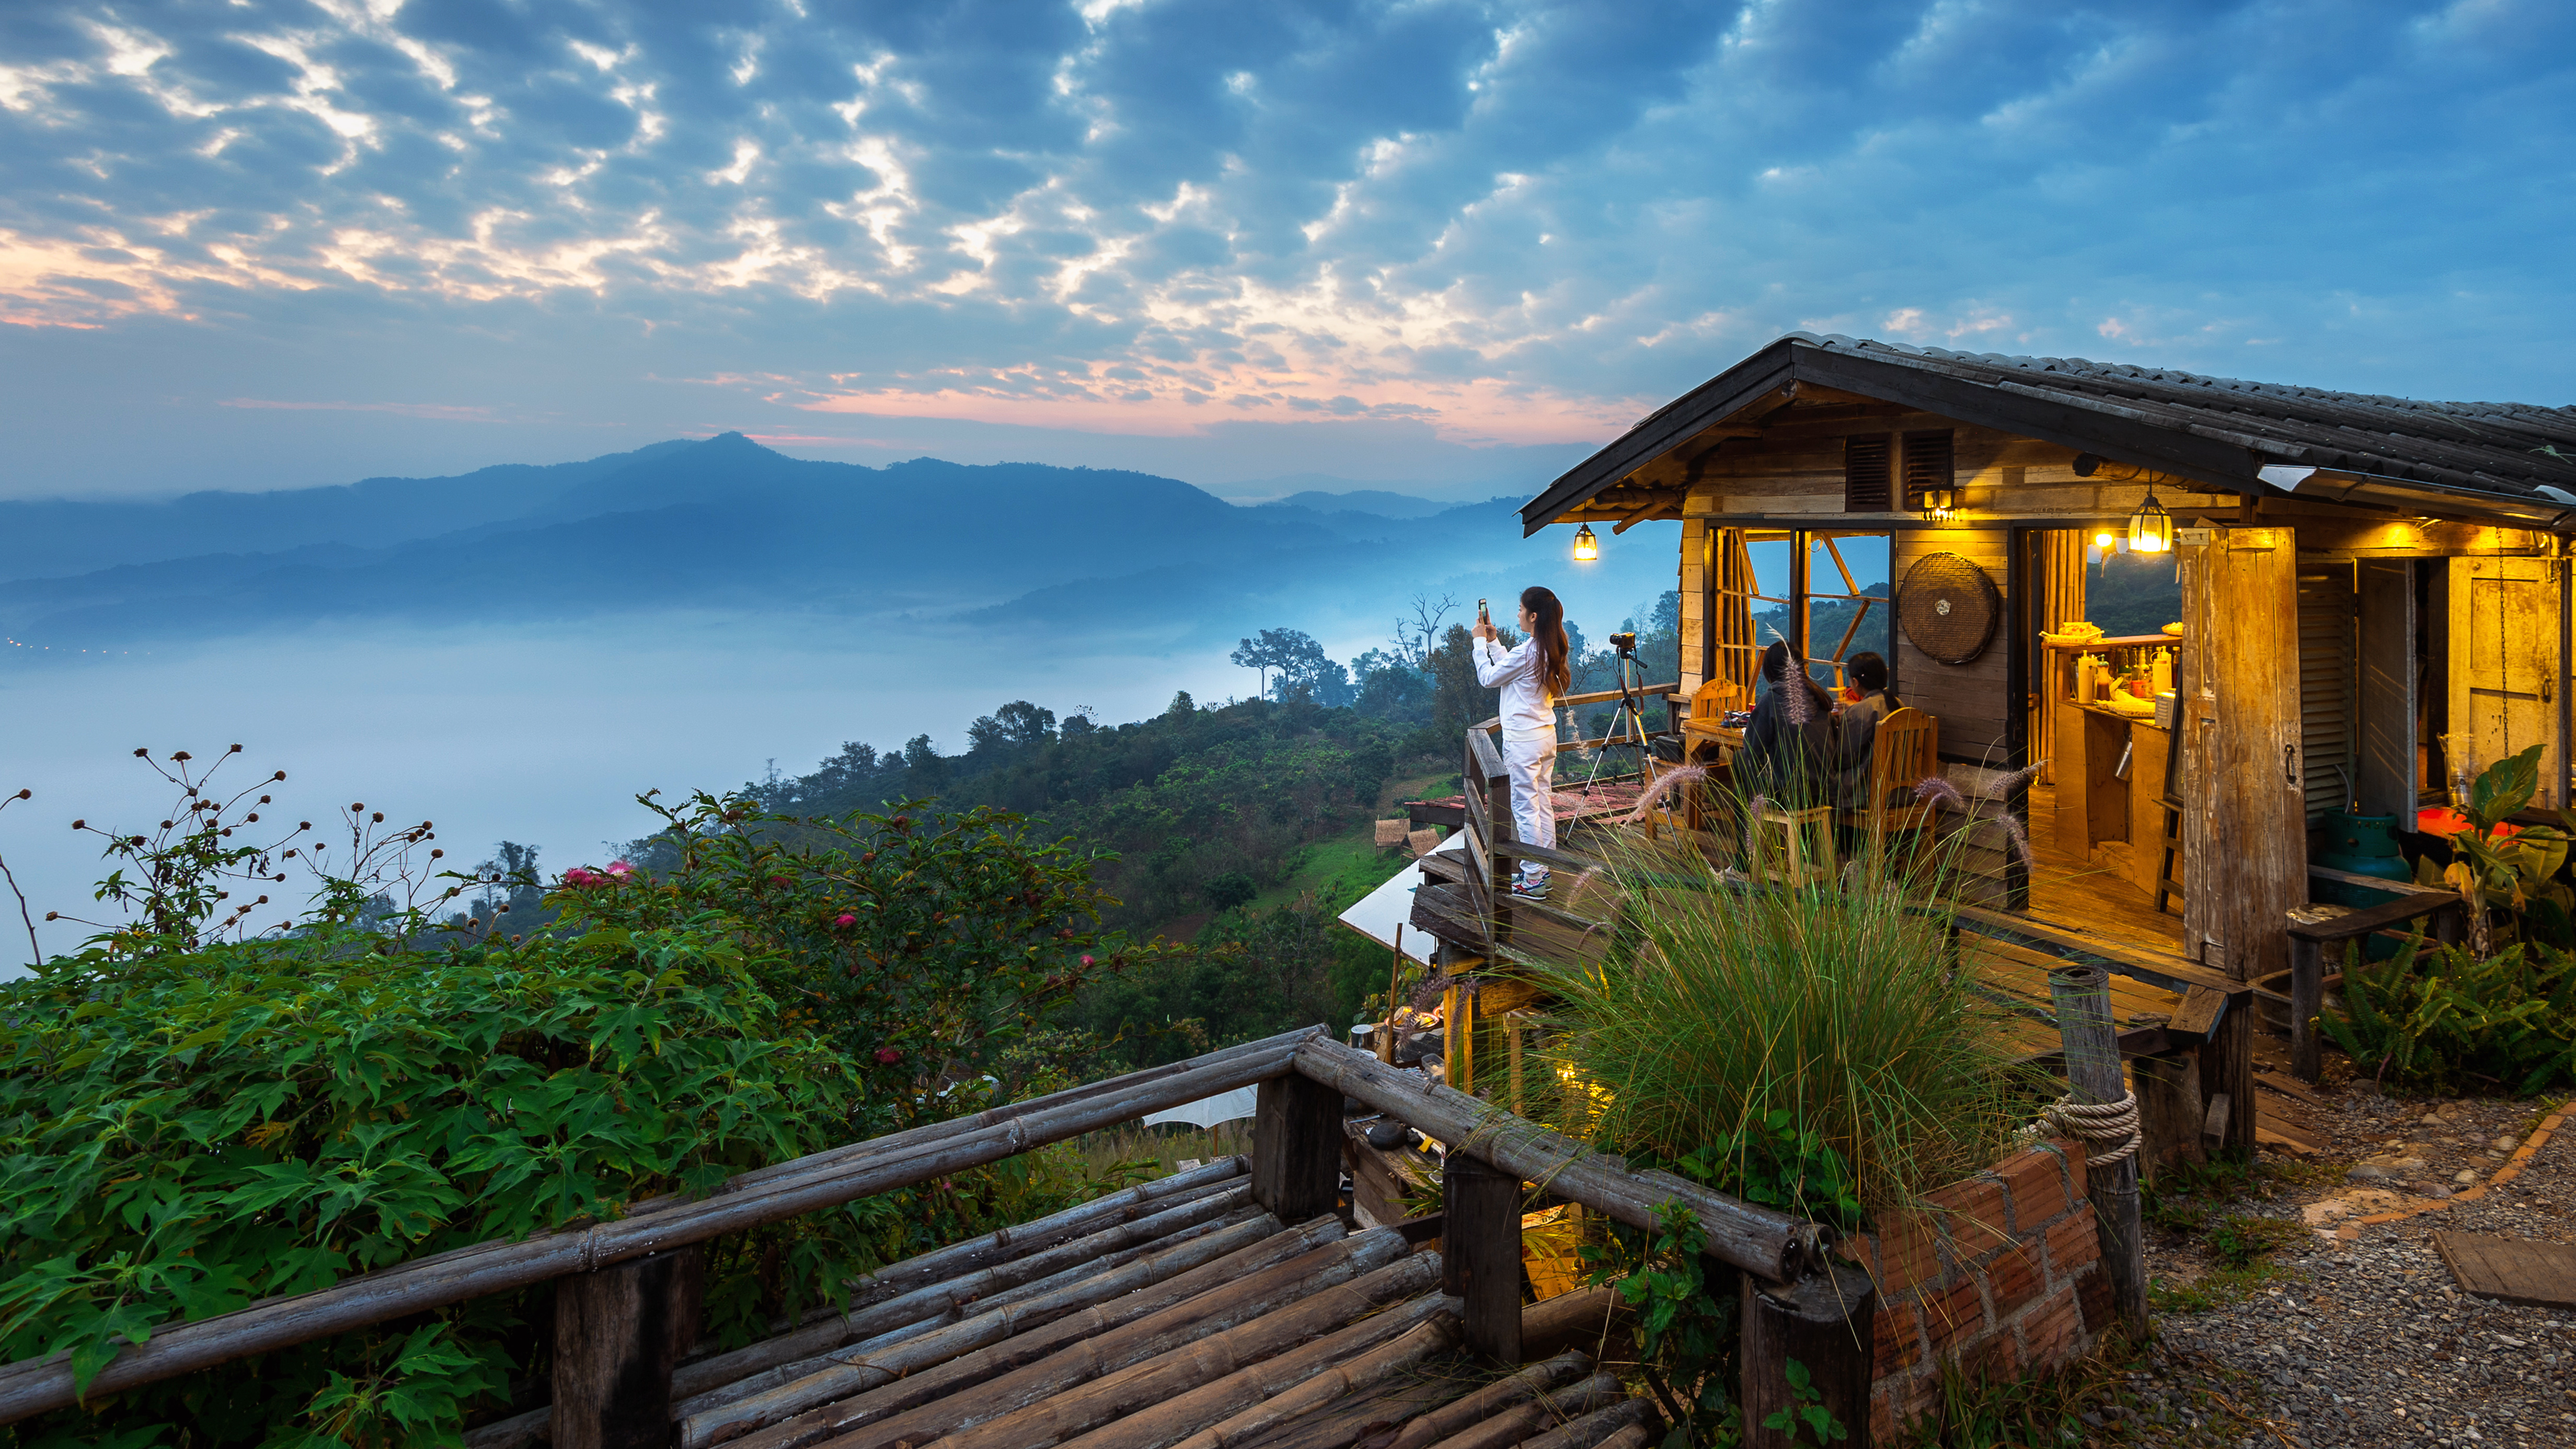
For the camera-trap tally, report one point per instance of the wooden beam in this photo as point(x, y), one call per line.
point(1826, 1322)
point(2083, 998)
point(1297, 1149)
point(618, 1334)
point(1480, 1248)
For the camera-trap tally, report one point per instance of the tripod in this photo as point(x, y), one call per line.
point(1631, 715)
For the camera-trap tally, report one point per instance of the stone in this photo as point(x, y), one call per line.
point(2368, 1172)
point(2466, 1177)
point(2503, 1144)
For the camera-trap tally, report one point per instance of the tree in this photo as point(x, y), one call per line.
point(1414, 636)
point(1015, 724)
point(1293, 652)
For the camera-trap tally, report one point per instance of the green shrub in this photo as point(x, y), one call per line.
point(189, 1123)
point(2433, 1016)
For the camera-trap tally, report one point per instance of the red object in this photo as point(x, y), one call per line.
point(2445, 822)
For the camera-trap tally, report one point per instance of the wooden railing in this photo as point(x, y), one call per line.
point(613, 1363)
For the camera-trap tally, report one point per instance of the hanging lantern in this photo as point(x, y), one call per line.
point(1586, 547)
point(2151, 529)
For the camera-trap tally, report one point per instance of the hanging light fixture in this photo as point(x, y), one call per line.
point(1939, 503)
point(2103, 538)
point(1586, 547)
point(2151, 529)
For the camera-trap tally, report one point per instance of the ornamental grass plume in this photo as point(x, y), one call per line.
point(1842, 1006)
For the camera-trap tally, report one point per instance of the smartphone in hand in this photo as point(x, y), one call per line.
point(1483, 614)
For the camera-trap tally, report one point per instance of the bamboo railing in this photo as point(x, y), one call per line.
point(1304, 1078)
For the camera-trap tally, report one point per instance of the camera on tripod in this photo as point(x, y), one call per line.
point(1624, 643)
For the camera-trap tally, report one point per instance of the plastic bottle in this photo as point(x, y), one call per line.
point(2087, 671)
point(2163, 677)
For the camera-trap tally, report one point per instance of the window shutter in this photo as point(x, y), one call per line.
point(1865, 472)
point(1927, 465)
point(2329, 685)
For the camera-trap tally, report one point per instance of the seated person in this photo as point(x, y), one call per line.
point(1788, 754)
point(1856, 728)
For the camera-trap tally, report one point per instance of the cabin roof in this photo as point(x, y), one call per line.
point(2255, 438)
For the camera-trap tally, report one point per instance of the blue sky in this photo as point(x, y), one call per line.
point(1447, 246)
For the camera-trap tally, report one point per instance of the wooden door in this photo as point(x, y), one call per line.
point(2244, 815)
point(2243, 806)
point(2505, 665)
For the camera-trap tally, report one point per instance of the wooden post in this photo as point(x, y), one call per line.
point(2307, 998)
point(1498, 807)
point(1297, 1148)
point(1480, 1251)
point(1825, 1321)
point(2245, 831)
point(2083, 998)
point(618, 1333)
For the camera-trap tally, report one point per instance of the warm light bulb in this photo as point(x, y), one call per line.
point(2102, 539)
point(1586, 547)
point(2151, 529)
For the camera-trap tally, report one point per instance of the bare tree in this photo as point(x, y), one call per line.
point(1414, 636)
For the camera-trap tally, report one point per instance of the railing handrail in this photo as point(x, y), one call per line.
point(752, 1199)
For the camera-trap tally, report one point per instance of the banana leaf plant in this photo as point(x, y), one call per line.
point(2515, 867)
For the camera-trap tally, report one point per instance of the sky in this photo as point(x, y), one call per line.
point(1443, 246)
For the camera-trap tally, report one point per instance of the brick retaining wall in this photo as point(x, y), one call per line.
point(2000, 1273)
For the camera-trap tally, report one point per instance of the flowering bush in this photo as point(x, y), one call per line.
point(189, 1123)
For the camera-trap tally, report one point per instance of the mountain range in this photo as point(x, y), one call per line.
point(726, 524)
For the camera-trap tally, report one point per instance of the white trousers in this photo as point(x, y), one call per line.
point(1531, 759)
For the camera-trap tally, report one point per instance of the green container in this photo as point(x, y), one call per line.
point(2361, 835)
point(2362, 845)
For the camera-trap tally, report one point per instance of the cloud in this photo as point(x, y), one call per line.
point(1518, 221)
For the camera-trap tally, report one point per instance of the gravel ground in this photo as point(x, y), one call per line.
point(2369, 1342)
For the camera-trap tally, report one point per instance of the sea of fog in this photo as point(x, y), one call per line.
point(545, 734)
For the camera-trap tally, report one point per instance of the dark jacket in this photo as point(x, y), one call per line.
point(1790, 765)
point(1854, 732)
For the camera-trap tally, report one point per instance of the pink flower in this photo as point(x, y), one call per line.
point(620, 869)
point(844, 922)
point(1086, 960)
point(580, 877)
point(888, 1056)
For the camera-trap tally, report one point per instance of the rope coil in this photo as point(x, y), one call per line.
point(2111, 1122)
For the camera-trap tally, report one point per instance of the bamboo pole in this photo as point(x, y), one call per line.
point(1770, 1245)
point(1635, 1436)
point(1593, 1428)
point(1267, 1394)
point(1492, 1399)
point(754, 1199)
point(1347, 1379)
point(1269, 1328)
point(791, 1389)
point(1535, 1416)
point(1076, 1350)
point(2082, 995)
point(900, 1320)
point(1825, 1322)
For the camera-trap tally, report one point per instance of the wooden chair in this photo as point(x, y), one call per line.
point(1790, 847)
point(1714, 699)
point(1906, 749)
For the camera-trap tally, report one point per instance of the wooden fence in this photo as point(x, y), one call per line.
point(624, 1280)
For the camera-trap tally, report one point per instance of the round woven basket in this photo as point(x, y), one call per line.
point(1948, 608)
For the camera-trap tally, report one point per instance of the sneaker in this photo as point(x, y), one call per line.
point(1530, 890)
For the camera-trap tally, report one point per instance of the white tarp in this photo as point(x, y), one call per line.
point(1377, 914)
point(1209, 1111)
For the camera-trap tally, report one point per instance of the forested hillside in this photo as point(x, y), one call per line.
point(1244, 824)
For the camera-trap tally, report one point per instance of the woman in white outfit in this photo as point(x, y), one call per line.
point(1532, 676)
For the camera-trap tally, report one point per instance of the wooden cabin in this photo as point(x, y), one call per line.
point(2372, 595)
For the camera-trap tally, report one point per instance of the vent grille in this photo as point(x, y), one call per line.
point(1865, 472)
point(1927, 465)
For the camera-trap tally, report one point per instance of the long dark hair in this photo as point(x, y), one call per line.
point(1555, 674)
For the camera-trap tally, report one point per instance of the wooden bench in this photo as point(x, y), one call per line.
point(2308, 940)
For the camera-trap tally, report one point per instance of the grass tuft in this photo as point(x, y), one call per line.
point(1845, 1008)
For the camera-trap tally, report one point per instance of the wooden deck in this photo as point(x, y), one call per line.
point(1180, 1313)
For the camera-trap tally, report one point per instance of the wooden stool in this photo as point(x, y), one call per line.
point(1802, 841)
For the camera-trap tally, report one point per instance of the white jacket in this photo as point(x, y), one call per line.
point(1527, 710)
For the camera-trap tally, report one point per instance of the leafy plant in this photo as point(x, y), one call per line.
point(2493, 863)
point(1686, 1327)
point(1806, 1410)
point(2435, 1014)
point(194, 1117)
